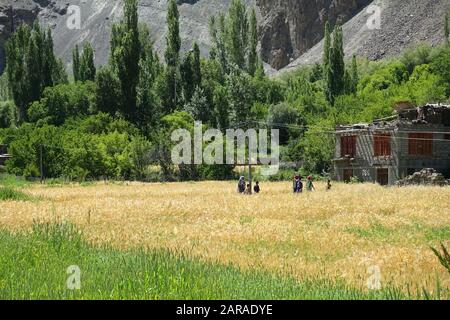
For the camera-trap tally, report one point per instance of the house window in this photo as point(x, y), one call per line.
point(382, 145)
point(347, 175)
point(348, 146)
point(421, 144)
point(383, 176)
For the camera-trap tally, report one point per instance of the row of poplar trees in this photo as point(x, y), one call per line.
point(135, 84)
point(31, 66)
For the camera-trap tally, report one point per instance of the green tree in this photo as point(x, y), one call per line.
point(221, 107)
point(337, 62)
point(7, 114)
point(241, 96)
point(235, 39)
point(355, 73)
point(87, 68)
point(31, 66)
point(5, 93)
point(190, 72)
point(49, 61)
point(125, 55)
point(237, 32)
point(76, 63)
point(186, 74)
point(441, 66)
point(198, 107)
point(196, 66)
point(172, 55)
point(252, 54)
point(447, 29)
point(218, 36)
point(108, 91)
point(326, 50)
point(173, 40)
point(335, 70)
point(148, 107)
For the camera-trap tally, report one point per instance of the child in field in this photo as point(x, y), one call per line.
point(298, 184)
point(248, 190)
point(309, 184)
point(257, 189)
point(328, 185)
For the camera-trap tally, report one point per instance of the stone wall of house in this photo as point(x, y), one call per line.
point(440, 160)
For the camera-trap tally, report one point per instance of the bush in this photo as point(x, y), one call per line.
point(7, 114)
point(72, 151)
point(63, 101)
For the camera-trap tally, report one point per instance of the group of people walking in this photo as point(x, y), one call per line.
point(244, 188)
point(298, 185)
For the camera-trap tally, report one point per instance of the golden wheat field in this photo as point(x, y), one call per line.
point(336, 234)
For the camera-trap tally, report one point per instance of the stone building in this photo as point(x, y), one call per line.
point(390, 149)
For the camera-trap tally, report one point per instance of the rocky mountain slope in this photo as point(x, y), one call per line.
point(288, 28)
point(403, 23)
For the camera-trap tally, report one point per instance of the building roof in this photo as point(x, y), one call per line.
point(429, 114)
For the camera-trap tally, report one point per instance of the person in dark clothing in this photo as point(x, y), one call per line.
point(298, 184)
point(257, 189)
point(241, 185)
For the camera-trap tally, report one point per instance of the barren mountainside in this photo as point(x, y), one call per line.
point(288, 28)
point(403, 23)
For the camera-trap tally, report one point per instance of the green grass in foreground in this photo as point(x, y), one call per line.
point(34, 265)
point(12, 181)
point(7, 193)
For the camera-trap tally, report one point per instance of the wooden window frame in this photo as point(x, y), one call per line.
point(348, 146)
point(382, 144)
point(420, 144)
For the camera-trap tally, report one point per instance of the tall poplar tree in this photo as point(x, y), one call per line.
point(172, 57)
point(31, 66)
point(125, 55)
point(253, 44)
point(87, 69)
point(76, 63)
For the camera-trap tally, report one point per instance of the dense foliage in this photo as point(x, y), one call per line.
point(115, 122)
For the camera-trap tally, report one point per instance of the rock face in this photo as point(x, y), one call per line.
point(290, 30)
point(290, 27)
point(403, 23)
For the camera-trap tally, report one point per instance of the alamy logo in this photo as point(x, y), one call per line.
point(208, 148)
point(74, 280)
point(374, 281)
point(374, 20)
point(74, 20)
